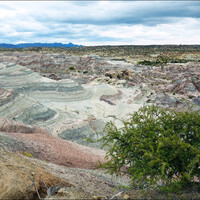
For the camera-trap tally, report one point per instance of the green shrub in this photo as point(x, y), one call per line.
point(155, 146)
point(72, 68)
point(162, 60)
point(28, 154)
point(191, 97)
point(147, 62)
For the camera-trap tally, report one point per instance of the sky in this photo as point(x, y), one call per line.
point(93, 23)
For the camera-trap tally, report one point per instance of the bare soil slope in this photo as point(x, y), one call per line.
point(38, 143)
point(18, 176)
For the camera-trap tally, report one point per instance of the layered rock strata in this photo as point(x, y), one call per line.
point(25, 138)
point(25, 81)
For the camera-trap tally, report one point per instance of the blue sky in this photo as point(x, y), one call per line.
point(100, 22)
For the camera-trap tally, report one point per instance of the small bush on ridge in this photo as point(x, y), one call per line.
point(72, 68)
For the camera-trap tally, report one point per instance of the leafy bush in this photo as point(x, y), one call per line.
point(72, 68)
point(155, 146)
point(147, 62)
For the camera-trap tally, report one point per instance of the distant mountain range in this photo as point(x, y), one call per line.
point(24, 45)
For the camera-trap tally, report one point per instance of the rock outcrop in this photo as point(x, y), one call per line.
point(21, 178)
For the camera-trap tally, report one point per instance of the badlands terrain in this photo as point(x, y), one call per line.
point(55, 103)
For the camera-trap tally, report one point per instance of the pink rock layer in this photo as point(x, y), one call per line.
point(43, 146)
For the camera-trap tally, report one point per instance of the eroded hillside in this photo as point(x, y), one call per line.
point(54, 104)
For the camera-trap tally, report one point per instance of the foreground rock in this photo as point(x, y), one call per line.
point(20, 177)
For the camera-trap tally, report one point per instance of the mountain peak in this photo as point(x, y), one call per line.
point(24, 45)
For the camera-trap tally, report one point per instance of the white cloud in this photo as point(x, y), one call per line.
point(100, 22)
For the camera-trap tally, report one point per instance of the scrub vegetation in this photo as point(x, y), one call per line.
point(157, 148)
